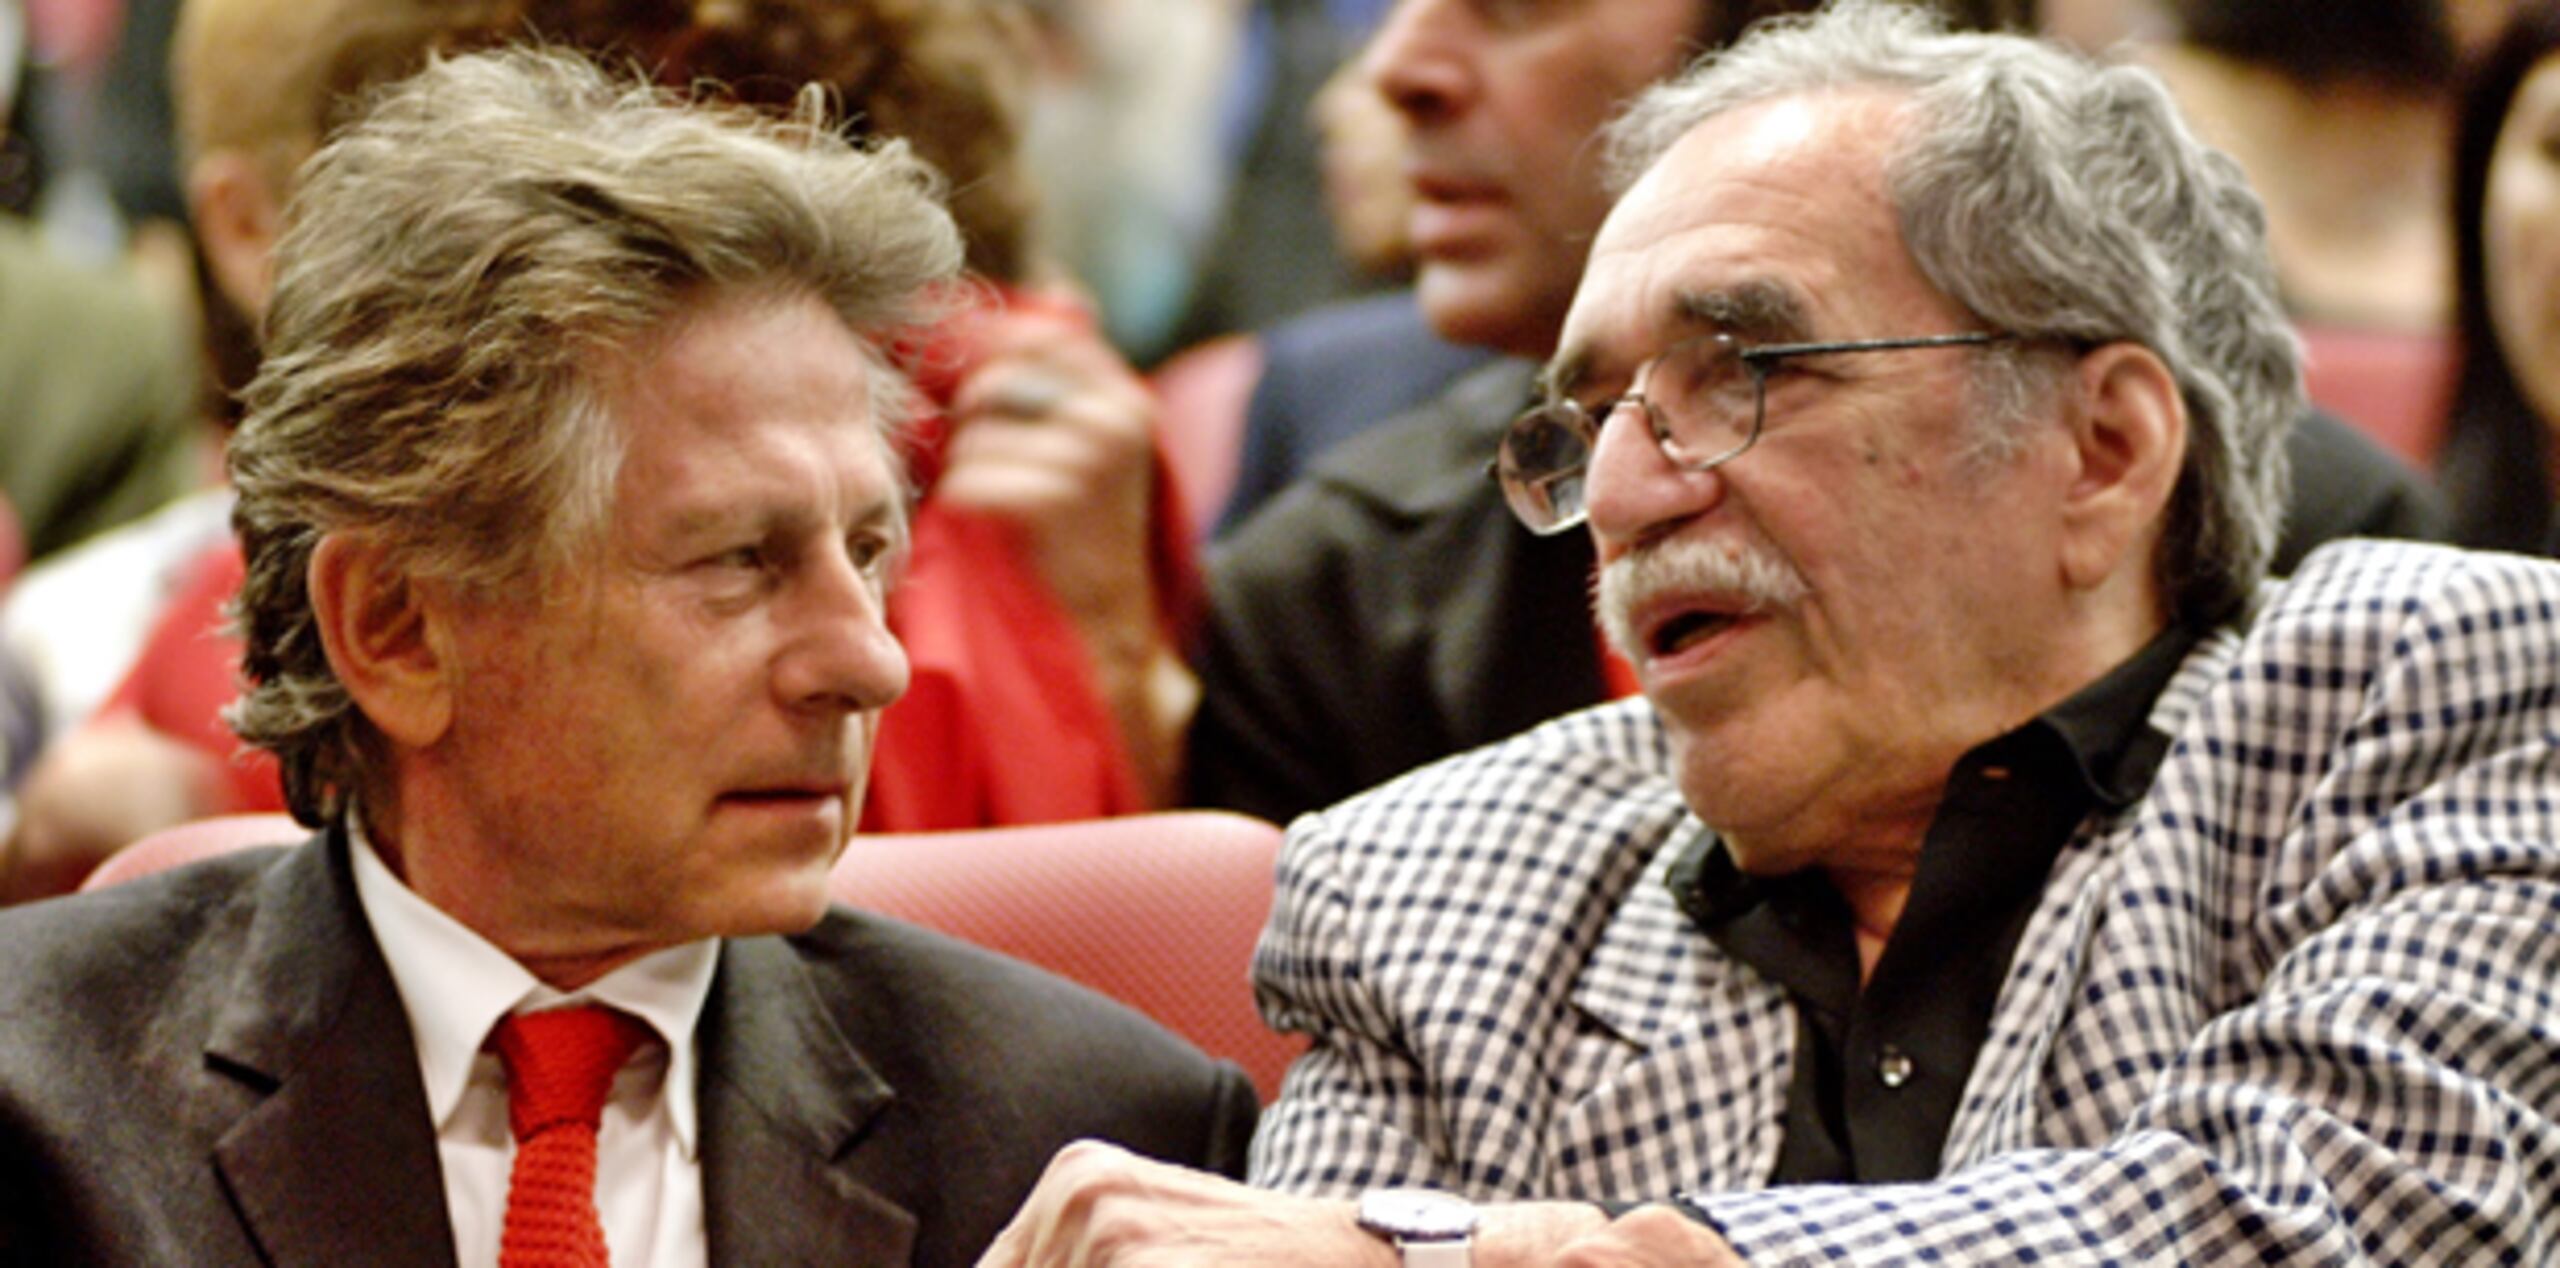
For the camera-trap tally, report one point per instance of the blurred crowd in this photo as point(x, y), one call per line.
point(1211, 242)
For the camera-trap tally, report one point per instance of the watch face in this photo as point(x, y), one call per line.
point(1423, 1215)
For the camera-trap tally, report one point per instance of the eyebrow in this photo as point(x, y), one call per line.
point(1758, 311)
point(1761, 311)
point(726, 521)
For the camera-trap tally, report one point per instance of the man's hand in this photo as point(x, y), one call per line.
point(1650, 1237)
point(1100, 1205)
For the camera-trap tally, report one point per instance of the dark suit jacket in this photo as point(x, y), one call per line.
point(1386, 610)
point(212, 1066)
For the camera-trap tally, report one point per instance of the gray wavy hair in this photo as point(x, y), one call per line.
point(2065, 202)
point(459, 267)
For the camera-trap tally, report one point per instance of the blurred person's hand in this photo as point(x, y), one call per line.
point(1054, 433)
point(96, 791)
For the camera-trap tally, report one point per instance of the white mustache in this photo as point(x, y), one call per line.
point(1727, 569)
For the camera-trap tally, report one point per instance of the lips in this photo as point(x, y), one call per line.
point(1678, 600)
point(787, 793)
point(1440, 186)
point(1685, 630)
point(1443, 232)
point(1673, 626)
point(1458, 212)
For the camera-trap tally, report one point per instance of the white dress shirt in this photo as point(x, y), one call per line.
point(456, 985)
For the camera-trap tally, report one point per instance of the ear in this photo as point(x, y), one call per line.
point(2129, 441)
point(385, 636)
point(237, 218)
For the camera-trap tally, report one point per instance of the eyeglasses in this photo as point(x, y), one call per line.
point(1704, 401)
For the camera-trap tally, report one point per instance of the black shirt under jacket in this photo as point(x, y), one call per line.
point(1879, 1071)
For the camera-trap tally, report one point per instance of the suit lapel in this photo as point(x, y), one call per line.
point(784, 1100)
point(2003, 1105)
point(1622, 985)
point(336, 1162)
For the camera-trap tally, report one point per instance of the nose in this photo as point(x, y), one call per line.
point(838, 655)
point(1418, 60)
point(1632, 490)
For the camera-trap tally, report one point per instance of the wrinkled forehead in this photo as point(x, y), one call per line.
point(1769, 222)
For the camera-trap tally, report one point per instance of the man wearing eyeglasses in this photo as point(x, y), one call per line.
point(1384, 612)
point(1997, 869)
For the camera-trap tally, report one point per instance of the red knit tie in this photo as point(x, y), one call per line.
point(560, 1064)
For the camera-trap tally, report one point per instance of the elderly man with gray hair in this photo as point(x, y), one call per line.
point(569, 508)
point(1997, 868)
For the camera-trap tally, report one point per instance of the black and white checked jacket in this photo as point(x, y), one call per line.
point(2299, 1004)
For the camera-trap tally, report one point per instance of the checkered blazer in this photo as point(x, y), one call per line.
point(2299, 1004)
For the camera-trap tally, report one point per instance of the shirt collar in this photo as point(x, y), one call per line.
point(455, 985)
point(2100, 733)
point(2106, 728)
point(2010, 806)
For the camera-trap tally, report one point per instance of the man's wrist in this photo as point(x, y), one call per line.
point(1428, 1228)
point(1531, 1234)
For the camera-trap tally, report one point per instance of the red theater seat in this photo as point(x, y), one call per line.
point(13, 545)
point(188, 842)
point(2396, 386)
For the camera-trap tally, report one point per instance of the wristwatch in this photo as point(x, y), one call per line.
point(1432, 1229)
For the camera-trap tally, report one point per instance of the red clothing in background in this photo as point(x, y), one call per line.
point(1003, 721)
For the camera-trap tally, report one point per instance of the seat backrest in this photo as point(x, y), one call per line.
point(1159, 911)
point(1202, 394)
point(195, 839)
point(13, 544)
point(2395, 386)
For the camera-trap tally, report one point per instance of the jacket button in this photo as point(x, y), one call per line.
point(1893, 1067)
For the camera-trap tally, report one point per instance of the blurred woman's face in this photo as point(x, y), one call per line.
point(2520, 234)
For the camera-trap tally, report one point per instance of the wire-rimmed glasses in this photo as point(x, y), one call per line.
point(1704, 399)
